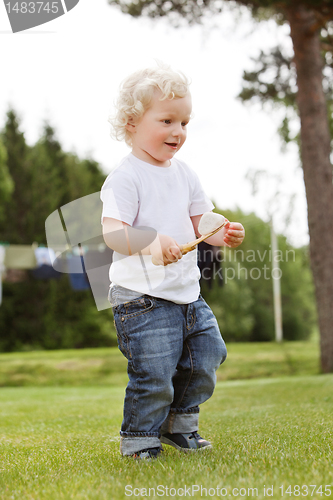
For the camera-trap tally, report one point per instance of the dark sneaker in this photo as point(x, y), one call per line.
point(186, 442)
point(147, 454)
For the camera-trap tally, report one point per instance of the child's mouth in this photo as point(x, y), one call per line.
point(172, 145)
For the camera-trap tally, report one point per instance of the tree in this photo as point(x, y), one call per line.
point(44, 314)
point(6, 182)
point(16, 207)
point(306, 18)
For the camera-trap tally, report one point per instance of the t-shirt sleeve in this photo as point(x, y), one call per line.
point(200, 203)
point(119, 195)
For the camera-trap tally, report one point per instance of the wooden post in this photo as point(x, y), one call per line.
point(276, 276)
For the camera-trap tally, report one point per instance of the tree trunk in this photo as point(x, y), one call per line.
point(315, 153)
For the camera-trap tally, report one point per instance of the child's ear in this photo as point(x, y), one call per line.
point(130, 125)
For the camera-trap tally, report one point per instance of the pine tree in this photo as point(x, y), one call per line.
point(14, 229)
point(40, 314)
point(6, 182)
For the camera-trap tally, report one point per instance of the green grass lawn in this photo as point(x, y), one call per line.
point(107, 366)
point(270, 421)
point(63, 443)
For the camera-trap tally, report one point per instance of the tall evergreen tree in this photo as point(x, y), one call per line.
point(37, 314)
point(14, 229)
point(306, 18)
point(6, 182)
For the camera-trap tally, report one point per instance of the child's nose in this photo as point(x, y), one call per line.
point(178, 130)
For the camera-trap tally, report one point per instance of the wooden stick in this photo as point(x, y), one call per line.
point(188, 247)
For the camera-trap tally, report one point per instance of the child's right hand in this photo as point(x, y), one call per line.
point(165, 250)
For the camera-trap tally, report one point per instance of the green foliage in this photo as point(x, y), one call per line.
point(297, 288)
point(272, 81)
point(194, 12)
point(38, 314)
point(244, 305)
point(16, 208)
point(232, 305)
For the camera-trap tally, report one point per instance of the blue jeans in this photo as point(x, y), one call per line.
point(173, 351)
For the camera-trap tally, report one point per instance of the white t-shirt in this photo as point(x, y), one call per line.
point(164, 199)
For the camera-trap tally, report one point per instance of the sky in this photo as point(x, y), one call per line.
point(68, 72)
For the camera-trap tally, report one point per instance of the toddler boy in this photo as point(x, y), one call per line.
point(152, 203)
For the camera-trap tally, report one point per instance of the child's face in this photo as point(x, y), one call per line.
point(161, 131)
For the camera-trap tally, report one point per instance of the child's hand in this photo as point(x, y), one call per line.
point(234, 234)
point(165, 250)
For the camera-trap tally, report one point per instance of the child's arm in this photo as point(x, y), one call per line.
point(231, 235)
point(128, 240)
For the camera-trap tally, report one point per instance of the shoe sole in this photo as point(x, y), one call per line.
point(184, 450)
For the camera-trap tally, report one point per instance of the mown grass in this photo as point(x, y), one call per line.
point(59, 443)
point(107, 366)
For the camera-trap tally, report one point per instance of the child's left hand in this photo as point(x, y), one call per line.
point(234, 234)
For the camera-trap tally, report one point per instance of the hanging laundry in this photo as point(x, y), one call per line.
point(20, 257)
point(77, 275)
point(44, 269)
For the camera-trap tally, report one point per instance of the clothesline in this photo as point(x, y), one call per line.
point(86, 265)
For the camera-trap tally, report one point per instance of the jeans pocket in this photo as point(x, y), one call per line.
point(136, 307)
point(128, 320)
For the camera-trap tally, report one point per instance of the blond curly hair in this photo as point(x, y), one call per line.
point(136, 93)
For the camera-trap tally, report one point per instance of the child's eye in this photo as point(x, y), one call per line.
point(184, 124)
point(167, 122)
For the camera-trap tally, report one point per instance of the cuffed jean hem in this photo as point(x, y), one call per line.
point(181, 423)
point(194, 409)
point(130, 445)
